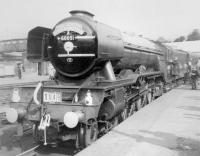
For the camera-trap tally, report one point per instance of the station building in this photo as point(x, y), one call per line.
point(13, 52)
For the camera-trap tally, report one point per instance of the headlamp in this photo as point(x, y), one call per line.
point(71, 119)
point(88, 98)
point(11, 115)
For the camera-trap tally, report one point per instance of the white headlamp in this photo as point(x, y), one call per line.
point(88, 98)
point(71, 119)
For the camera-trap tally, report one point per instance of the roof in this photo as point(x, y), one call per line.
point(190, 46)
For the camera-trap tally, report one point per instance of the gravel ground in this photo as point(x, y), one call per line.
point(10, 143)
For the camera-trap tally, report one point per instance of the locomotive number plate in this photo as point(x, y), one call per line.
point(52, 97)
point(67, 38)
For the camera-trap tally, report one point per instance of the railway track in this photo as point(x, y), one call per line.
point(64, 149)
point(29, 152)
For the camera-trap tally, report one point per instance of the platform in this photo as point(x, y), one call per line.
point(7, 85)
point(169, 126)
point(26, 78)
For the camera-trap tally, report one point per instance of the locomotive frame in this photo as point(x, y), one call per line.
point(120, 78)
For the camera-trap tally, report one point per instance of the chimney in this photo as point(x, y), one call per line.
point(81, 13)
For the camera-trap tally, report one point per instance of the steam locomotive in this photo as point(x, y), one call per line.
point(102, 77)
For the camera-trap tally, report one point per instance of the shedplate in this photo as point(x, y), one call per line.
point(52, 97)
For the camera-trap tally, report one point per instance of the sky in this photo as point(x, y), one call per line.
point(150, 18)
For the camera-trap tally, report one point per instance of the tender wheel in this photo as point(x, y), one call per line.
point(87, 134)
point(139, 104)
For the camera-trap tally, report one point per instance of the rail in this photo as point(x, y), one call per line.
point(29, 152)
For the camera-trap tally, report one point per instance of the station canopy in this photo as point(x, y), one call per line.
point(189, 46)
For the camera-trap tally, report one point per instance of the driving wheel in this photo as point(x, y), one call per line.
point(87, 134)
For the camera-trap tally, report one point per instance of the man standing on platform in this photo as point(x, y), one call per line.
point(19, 71)
point(195, 73)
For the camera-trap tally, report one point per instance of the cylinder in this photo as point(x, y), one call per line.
point(108, 109)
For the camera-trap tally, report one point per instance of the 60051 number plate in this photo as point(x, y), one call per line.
point(52, 97)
